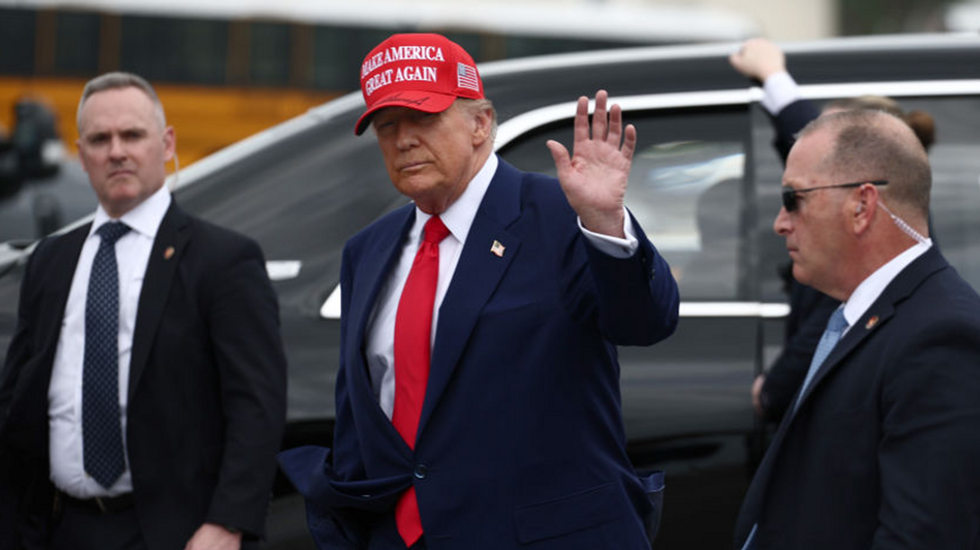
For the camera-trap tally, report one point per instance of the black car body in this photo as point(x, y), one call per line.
point(705, 187)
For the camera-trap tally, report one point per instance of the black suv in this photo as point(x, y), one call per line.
point(705, 187)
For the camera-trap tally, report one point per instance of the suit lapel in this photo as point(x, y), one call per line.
point(373, 271)
point(900, 288)
point(166, 255)
point(477, 275)
point(881, 310)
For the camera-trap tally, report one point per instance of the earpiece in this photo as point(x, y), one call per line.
point(859, 209)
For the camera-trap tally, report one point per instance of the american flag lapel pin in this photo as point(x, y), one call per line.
point(871, 323)
point(169, 253)
point(497, 249)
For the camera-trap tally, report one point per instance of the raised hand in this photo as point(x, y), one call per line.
point(594, 178)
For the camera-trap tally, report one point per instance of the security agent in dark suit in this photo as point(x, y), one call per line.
point(507, 433)
point(143, 394)
point(764, 62)
point(879, 449)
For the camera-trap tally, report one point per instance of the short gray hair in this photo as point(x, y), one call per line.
point(476, 106)
point(115, 81)
point(871, 145)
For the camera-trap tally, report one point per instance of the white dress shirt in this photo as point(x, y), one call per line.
point(458, 218)
point(871, 288)
point(65, 390)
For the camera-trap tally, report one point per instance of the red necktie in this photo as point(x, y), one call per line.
point(413, 332)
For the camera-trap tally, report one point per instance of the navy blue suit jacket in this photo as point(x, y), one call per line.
point(521, 441)
point(883, 449)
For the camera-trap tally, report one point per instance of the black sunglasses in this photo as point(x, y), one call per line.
point(789, 194)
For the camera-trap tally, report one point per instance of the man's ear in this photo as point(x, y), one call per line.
point(867, 195)
point(483, 123)
point(169, 143)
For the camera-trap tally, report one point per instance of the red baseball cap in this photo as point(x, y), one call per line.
point(426, 72)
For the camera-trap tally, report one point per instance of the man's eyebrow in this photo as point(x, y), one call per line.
point(95, 135)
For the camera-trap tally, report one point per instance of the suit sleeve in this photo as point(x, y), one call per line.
point(929, 450)
point(793, 118)
point(18, 352)
point(638, 298)
point(14, 478)
point(243, 320)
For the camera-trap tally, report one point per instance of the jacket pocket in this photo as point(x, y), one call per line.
point(575, 512)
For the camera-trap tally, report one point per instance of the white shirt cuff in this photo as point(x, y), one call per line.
point(614, 246)
point(780, 90)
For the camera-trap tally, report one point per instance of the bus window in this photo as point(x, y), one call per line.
point(269, 53)
point(77, 44)
point(17, 35)
point(164, 49)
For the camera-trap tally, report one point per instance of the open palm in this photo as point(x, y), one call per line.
point(595, 176)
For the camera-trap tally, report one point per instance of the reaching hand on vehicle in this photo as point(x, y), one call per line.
point(758, 58)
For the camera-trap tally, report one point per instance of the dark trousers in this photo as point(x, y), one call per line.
point(85, 529)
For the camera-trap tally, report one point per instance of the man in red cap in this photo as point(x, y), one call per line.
point(478, 395)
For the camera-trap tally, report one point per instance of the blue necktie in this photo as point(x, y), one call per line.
point(101, 422)
point(835, 328)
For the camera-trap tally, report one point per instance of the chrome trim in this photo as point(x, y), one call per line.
point(521, 124)
point(897, 42)
point(762, 310)
point(331, 306)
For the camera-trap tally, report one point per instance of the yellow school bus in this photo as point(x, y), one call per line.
point(225, 70)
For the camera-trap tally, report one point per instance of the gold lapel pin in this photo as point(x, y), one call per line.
point(871, 323)
point(168, 253)
point(497, 249)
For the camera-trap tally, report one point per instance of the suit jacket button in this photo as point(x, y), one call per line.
point(421, 471)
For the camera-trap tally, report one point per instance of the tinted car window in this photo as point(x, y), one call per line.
point(687, 189)
point(955, 198)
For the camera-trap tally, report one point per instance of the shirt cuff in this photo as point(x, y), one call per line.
point(780, 90)
point(614, 246)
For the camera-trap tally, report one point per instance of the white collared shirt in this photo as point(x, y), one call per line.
point(871, 288)
point(65, 390)
point(458, 218)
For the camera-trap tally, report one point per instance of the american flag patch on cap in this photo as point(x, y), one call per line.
point(466, 77)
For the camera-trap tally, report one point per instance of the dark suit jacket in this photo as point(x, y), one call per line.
point(521, 441)
point(883, 449)
point(206, 389)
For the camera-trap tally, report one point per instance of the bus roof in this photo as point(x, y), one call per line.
point(588, 20)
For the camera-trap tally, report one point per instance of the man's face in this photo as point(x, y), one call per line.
point(814, 231)
point(123, 147)
point(431, 157)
